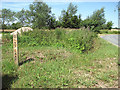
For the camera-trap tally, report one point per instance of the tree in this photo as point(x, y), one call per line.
point(0, 19)
point(52, 22)
point(23, 17)
point(16, 25)
point(68, 18)
point(109, 25)
point(28, 21)
point(4, 26)
point(72, 9)
point(98, 19)
point(7, 17)
point(104, 26)
point(40, 14)
point(75, 21)
point(0, 13)
point(58, 24)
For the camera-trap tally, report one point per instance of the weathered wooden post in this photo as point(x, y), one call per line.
point(15, 48)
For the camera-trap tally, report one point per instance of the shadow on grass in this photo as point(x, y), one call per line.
point(28, 60)
point(7, 80)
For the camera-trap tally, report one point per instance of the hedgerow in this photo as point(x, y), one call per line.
point(81, 40)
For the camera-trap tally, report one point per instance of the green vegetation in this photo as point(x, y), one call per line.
point(109, 32)
point(40, 16)
point(81, 40)
point(58, 58)
point(68, 18)
point(46, 62)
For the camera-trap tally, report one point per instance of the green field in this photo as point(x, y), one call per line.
point(60, 67)
point(109, 32)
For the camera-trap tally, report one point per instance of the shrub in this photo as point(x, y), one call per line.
point(7, 39)
point(113, 32)
point(81, 40)
point(109, 32)
point(103, 31)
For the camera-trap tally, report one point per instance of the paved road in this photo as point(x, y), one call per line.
point(114, 39)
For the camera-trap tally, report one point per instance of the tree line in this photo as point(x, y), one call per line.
point(40, 16)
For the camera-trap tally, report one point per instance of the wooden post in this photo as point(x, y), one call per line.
point(15, 48)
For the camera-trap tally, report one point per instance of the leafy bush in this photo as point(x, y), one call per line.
point(109, 32)
point(113, 32)
point(7, 39)
point(103, 31)
point(81, 40)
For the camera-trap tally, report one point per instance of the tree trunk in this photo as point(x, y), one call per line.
point(3, 27)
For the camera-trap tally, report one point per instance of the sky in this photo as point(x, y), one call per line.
point(84, 8)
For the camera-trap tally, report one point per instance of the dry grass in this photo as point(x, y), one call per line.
point(8, 30)
point(115, 30)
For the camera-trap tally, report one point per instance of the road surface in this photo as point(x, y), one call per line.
point(113, 38)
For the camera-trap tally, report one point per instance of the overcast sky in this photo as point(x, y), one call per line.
point(84, 8)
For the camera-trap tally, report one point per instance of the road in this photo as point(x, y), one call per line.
point(113, 38)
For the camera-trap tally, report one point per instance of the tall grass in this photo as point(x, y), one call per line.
point(53, 67)
point(81, 40)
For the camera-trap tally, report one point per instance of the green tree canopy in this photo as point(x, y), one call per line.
point(96, 20)
point(40, 13)
point(72, 9)
point(109, 25)
point(23, 17)
point(69, 19)
point(98, 17)
point(52, 22)
point(7, 16)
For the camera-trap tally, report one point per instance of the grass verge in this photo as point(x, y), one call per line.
point(52, 67)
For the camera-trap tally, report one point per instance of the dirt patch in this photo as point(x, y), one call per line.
point(44, 55)
point(101, 74)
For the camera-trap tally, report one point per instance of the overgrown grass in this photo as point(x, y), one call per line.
point(81, 40)
point(58, 67)
point(109, 32)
